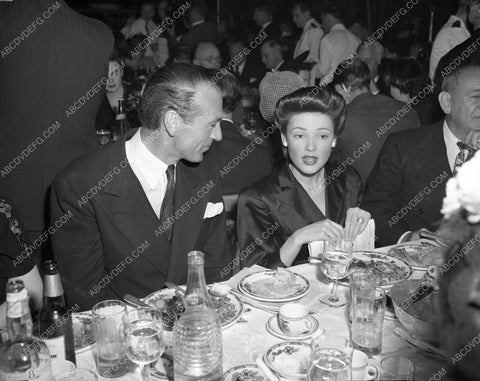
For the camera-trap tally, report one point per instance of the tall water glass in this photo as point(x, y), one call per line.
point(144, 337)
point(337, 256)
point(368, 312)
point(362, 278)
point(331, 359)
point(108, 330)
point(396, 368)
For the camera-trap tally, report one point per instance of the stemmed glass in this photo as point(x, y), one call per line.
point(144, 337)
point(337, 256)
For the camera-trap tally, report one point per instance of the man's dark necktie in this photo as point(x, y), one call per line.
point(167, 204)
point(465, 154)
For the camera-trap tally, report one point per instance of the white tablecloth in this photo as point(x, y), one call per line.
point(242, 340)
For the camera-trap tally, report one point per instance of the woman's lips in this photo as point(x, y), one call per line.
point(310, 160)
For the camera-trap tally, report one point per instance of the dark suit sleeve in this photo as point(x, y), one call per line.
point(258, 245)
point(383, 189)
point(77, 247)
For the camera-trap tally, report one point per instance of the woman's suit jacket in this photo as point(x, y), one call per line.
point(272, 209)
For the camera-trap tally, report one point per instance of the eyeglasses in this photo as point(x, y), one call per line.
point(211, 59)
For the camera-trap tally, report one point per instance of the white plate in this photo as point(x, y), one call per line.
point(83, 332)
point(260, 286)
point(248, 372)
point(274, 329)
point(229, 313)
point(391, 269)
point(289, 359)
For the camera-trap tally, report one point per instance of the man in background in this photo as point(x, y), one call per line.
point(48, 108)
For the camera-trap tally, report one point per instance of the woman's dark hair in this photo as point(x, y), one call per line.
point(352, 73)
point(311, 99)
point(406, 74)
point(230, 87)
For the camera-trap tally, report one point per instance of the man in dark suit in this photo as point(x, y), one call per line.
point(54, 68)
point(200, 29)
point(407, 186)
point(138, 207)
point(272, 57)
point(263, 17)
point(242, 161)
point(249, 71)
point(370, 118)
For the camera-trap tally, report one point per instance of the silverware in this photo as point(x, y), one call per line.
point(441, 241)
point(173, 286)
point(134, 301)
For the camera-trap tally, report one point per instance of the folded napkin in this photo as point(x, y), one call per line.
point(365, 241)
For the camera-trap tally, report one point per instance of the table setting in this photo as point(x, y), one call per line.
point(272, 321)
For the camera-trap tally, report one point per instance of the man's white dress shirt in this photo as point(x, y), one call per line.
point(451, 143)
point(149, 170)
point(336, 46)
point(309, 41)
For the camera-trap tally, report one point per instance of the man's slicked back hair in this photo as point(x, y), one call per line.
point(173, 87)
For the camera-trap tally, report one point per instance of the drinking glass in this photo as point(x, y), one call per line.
point(108, 331)
point(331, 359)
point(361, 278)
point(337, 256)
point(396, 368)
point(367, 326)
point(144, 337)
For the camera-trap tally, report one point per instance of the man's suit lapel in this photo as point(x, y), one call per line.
point(189, 208)
point(432, 146)
point(124, 200)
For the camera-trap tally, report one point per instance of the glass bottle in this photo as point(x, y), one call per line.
point(121, 125)
point(24, 357)
point(197, 334)
point(55, 320)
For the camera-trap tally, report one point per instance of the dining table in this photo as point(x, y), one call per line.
point(248, 337)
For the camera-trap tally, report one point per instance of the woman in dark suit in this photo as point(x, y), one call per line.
point(311, 198)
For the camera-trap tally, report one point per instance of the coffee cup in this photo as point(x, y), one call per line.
point(293, 319)
point(360, 369)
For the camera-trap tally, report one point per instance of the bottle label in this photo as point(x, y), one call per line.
point(53, 286)
point(42, 373)
point(56, 346)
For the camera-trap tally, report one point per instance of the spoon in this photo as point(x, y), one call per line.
point(173, 286)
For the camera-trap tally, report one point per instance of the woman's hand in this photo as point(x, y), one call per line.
point(319, 231)
point(314, 232)
point(355, 222)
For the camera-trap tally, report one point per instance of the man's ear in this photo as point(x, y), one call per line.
point(171, 120)
point(445, 101)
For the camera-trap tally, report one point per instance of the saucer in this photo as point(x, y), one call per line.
point(274, 329)
point(244, 373)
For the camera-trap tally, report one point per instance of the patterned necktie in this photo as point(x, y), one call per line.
point(167, 204)
point(465, 154)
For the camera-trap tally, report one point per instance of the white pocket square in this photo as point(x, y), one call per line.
point(213, 210)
